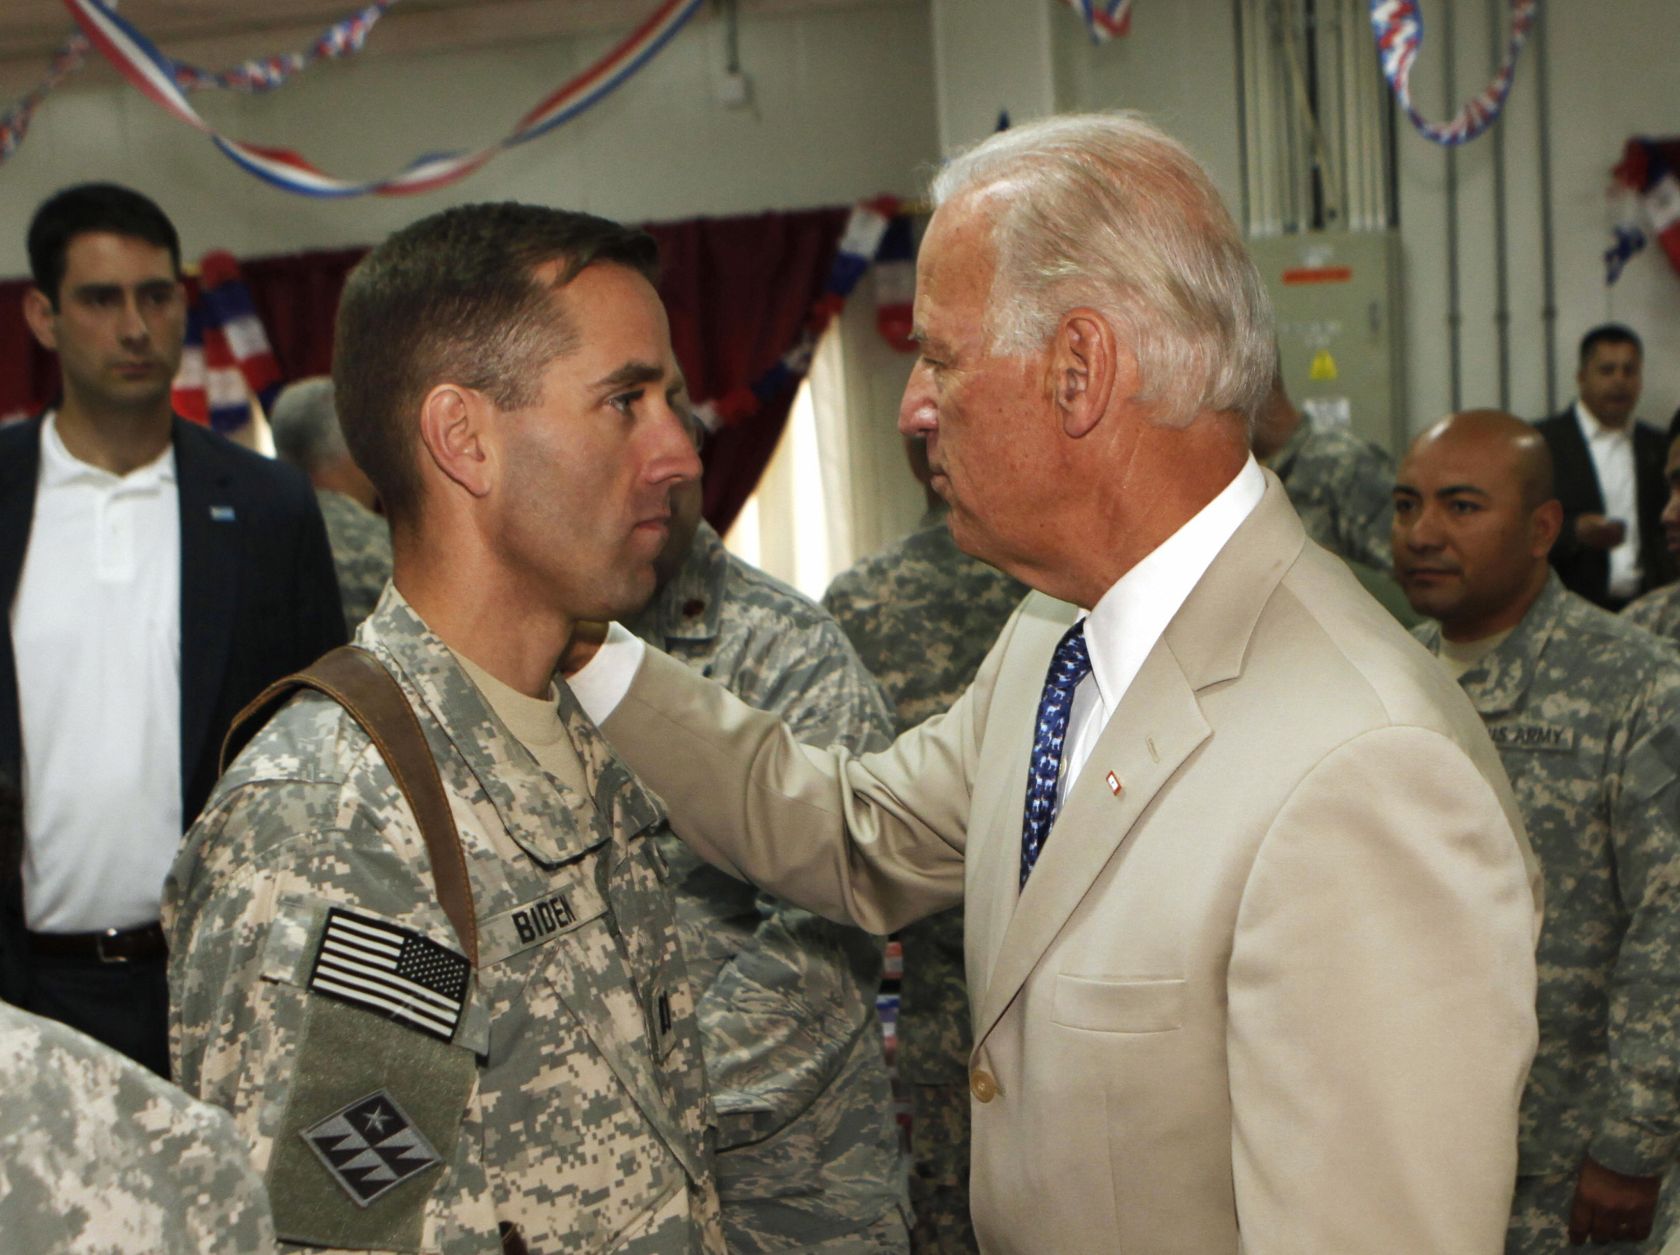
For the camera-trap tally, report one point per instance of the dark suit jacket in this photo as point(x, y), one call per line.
point(258, 595)
point(1585, 570)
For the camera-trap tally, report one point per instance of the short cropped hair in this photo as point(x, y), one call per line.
point(454, 299)
point(305, 425)
point(1106, 211)
point(1610, 333)
point(86, 208)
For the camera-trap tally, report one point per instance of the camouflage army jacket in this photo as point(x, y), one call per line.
point(97, 1154)
point(361, 549)
point(787, 999)
point(1658, 612)
point(1343, 489)
point(1585, 712)
point(393, 1099)
point(923, 615)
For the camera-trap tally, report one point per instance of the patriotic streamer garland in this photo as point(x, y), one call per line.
point(226, 359)
point(154, 74)
point(1398, 27)
point(342, 39)
point(860, 243)
point(1649, 174)
point(1105, 19)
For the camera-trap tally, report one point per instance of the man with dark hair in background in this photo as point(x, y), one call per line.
point(922, 614)
point(307, 434)
point(1583, 709)
point(504, 375)
point(1608, 467)
point(157, 578)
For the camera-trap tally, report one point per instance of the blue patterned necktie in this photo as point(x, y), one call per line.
point(1070, 665)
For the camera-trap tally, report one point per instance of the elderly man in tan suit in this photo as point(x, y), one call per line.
point(1250, 913)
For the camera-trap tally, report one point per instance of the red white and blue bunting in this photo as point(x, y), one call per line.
point(1398, 27)
point(342, 39)
point(1649, 173)
point(226, 360)
point(860, 244)
point(1105, 19)
point(156, 76)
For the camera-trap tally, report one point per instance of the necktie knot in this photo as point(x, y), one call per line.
point(1070, 664)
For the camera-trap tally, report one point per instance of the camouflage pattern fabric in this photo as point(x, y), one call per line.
point(808, 1155)
point(1585, 712)
point(1658, 612)
point(1343, 489)
point(99, 1155)
point(361, 548)
point(558, 1088)
point(922, 615)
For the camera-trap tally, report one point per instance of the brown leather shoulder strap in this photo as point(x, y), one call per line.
point(359, 682)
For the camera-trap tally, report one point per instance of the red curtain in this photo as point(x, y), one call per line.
point(737, 290)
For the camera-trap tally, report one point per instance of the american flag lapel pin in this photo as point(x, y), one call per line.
point(1114, 785)
point(221, 514)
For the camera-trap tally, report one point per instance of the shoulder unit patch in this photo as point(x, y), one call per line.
point(370, 1146)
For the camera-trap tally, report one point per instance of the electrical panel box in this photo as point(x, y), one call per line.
point(1337, 299)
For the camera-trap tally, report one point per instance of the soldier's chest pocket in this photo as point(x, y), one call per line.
point(381, 1078)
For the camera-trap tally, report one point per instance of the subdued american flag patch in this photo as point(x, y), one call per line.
point(391, 970)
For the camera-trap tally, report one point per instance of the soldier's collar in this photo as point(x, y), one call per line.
point(1499, 682)
point(690, 607)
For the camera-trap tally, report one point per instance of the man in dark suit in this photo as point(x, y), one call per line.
point(157, 577)
point(1609, 471)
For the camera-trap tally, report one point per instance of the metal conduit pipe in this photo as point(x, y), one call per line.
point(1455, 313)
point(1501, 262)
point(1548, 261)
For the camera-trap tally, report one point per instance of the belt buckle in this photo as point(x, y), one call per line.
point(110, 934)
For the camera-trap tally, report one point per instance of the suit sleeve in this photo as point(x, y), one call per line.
point(881, 836)
point(1638, 1125)
point(1381, 1008)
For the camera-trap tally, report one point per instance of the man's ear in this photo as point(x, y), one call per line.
point(1544, 526)
point(1084, 368)
point(38, 313)
point(453, 422)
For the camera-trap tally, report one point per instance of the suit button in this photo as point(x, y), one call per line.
point(981, 1085)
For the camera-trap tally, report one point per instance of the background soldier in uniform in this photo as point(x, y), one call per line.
point(1584, 711)
point(922, 615)
point(98, 1154)
point(1659, 610)
point(505, 377)
point(307, 434)
point(808, 1155)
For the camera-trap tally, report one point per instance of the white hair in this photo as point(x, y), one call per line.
point(1105, 211)
point(304, 422)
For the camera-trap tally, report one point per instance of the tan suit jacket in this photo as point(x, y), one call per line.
point(1274, 993)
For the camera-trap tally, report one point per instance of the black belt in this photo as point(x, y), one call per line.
point(112, 945)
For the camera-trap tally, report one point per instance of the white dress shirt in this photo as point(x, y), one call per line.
point(1612, 458)
point(96, 633)
point(1124, 625)
point(1119, 633)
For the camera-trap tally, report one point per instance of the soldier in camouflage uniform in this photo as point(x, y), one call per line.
point(1338, 483)
point(922, 615)
point(307, 434)
point(808, 1156)
point(99, 1154)
point(1659, 610)
point(394, 1098)
point(1585, 712)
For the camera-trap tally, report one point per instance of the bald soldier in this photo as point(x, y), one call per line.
point(1659, 610)
point(1582, 708)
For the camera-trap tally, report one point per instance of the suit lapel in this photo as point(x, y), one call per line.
point(19, 468)
point(1157, 726)
point(212, 539)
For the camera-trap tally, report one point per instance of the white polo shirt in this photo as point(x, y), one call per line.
point(96, 634)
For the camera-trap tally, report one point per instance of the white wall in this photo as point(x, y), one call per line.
point(842, 109)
